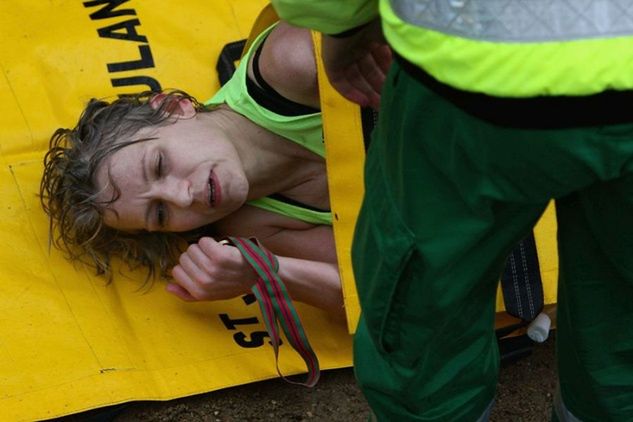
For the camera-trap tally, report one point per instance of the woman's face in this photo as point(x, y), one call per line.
point(186, 178)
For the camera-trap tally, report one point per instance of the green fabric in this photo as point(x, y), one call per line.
point(305, 130)
point(293, 211)
point(595, 305)
point(447, 197)
point(347, 14)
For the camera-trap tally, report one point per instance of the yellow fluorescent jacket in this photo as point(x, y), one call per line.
point(506, 48)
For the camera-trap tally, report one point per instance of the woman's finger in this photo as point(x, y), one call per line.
point(179, 292)
point(188, 276)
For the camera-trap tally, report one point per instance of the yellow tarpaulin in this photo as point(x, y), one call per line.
point(68, 341)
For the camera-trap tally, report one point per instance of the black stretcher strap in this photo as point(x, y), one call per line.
point(226, 62)
point(521, 281)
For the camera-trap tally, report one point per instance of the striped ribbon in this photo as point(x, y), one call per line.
point(277, 308)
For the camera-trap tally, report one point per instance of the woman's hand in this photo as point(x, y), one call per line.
point(209, 270)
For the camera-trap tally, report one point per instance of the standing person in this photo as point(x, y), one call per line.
point(489, 110)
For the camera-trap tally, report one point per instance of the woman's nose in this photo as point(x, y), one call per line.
point(178, 192)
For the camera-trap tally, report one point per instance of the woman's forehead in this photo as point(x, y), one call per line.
point(121, 163)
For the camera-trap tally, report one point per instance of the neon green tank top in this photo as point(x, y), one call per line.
point(305, 130)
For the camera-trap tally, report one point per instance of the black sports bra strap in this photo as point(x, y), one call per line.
point(266, 96)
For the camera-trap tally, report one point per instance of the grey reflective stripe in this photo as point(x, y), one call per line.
point(562, 413)
point(486, 415)
point(520, 20)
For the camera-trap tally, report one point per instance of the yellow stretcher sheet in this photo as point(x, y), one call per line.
point(68, 341)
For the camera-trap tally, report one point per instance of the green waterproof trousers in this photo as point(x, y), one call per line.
point(447, 197)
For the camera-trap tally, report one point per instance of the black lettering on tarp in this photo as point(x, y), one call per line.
point(108, 11)
point(125, 30)
point(150, 82)
point(231, 324)
point(144, 62)
point(256, 339)
point(248, 341)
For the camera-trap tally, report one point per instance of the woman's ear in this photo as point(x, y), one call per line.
point(173, 105)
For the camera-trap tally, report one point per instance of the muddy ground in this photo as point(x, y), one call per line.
point(524, 395)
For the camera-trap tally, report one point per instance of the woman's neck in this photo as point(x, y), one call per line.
point(272, 164)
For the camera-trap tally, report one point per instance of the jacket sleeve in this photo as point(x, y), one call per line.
point(327, 16)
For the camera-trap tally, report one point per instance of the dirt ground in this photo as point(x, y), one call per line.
point(524, 395)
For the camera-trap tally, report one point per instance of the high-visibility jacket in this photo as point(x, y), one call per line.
point(505, 48)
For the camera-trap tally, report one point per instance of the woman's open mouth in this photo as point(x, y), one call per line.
point(214, 190)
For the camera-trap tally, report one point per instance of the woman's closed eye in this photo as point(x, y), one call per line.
point(161, 209)
point(161, 213)
point(159, 165)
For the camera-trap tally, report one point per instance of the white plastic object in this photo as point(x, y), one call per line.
point(538, 330)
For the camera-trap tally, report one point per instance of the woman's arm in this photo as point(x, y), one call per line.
point(288, 65)
point(211, 271)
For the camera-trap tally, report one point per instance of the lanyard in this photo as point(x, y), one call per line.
point(276, 307)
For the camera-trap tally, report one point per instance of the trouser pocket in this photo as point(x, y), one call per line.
point(383, 252)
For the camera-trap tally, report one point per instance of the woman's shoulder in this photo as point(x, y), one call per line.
point(288, 65)
point(253, 221)
point(282, 235)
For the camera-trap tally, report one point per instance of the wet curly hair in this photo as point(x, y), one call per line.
point(69, 195)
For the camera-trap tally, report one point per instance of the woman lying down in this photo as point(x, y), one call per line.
point(142, 175)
